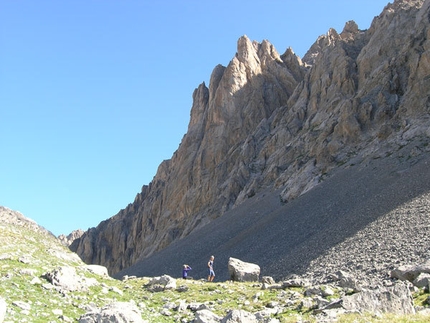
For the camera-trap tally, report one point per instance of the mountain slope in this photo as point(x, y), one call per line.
point(293, 238)
point(42, 281)
point(275, 122)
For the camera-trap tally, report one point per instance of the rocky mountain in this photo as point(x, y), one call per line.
point(280, 125)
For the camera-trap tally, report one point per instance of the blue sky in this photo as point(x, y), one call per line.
point(95, 94)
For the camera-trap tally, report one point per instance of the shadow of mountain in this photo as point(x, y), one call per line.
point(284, 238)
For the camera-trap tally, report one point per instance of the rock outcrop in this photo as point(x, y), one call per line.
point(271, 121)
point(396, 299)
point(66, 279)
point(68, 240)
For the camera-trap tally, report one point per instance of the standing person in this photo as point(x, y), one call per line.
point(211, 269)
point(185, 271)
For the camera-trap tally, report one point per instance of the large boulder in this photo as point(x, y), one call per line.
point(66, 279)
point(243, 271)
point(396, 299)
point(411, 272)
point(119, 312)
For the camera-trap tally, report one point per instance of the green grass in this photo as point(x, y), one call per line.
point(26, 256)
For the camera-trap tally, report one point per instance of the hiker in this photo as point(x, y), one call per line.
point(185, 271)
point(211, 269)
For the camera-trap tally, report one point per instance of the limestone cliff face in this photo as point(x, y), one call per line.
point(274, 121)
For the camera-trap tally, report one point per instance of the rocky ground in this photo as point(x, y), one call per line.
point(400, 237)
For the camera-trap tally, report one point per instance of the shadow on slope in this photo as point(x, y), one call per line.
point(284, 238)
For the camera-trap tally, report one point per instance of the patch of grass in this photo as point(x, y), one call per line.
point(420, 298)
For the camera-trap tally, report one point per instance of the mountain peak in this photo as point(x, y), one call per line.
point(271, 123)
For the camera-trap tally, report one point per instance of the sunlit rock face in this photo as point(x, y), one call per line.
point(277, 121)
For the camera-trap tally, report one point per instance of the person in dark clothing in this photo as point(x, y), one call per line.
point(185, 271)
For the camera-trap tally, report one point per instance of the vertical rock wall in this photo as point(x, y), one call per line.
point(270, 120)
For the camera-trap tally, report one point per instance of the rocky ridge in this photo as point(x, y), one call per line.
point(8, 216)
point(276, 122)
point(68, 240)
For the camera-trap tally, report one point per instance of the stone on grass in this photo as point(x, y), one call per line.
point(243, 271)
point(119, 312)
point(206, 316)
point(98, 270)
point(165, 281)
point(239, 316)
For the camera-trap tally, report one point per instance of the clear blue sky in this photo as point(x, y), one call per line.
point(95, 94)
